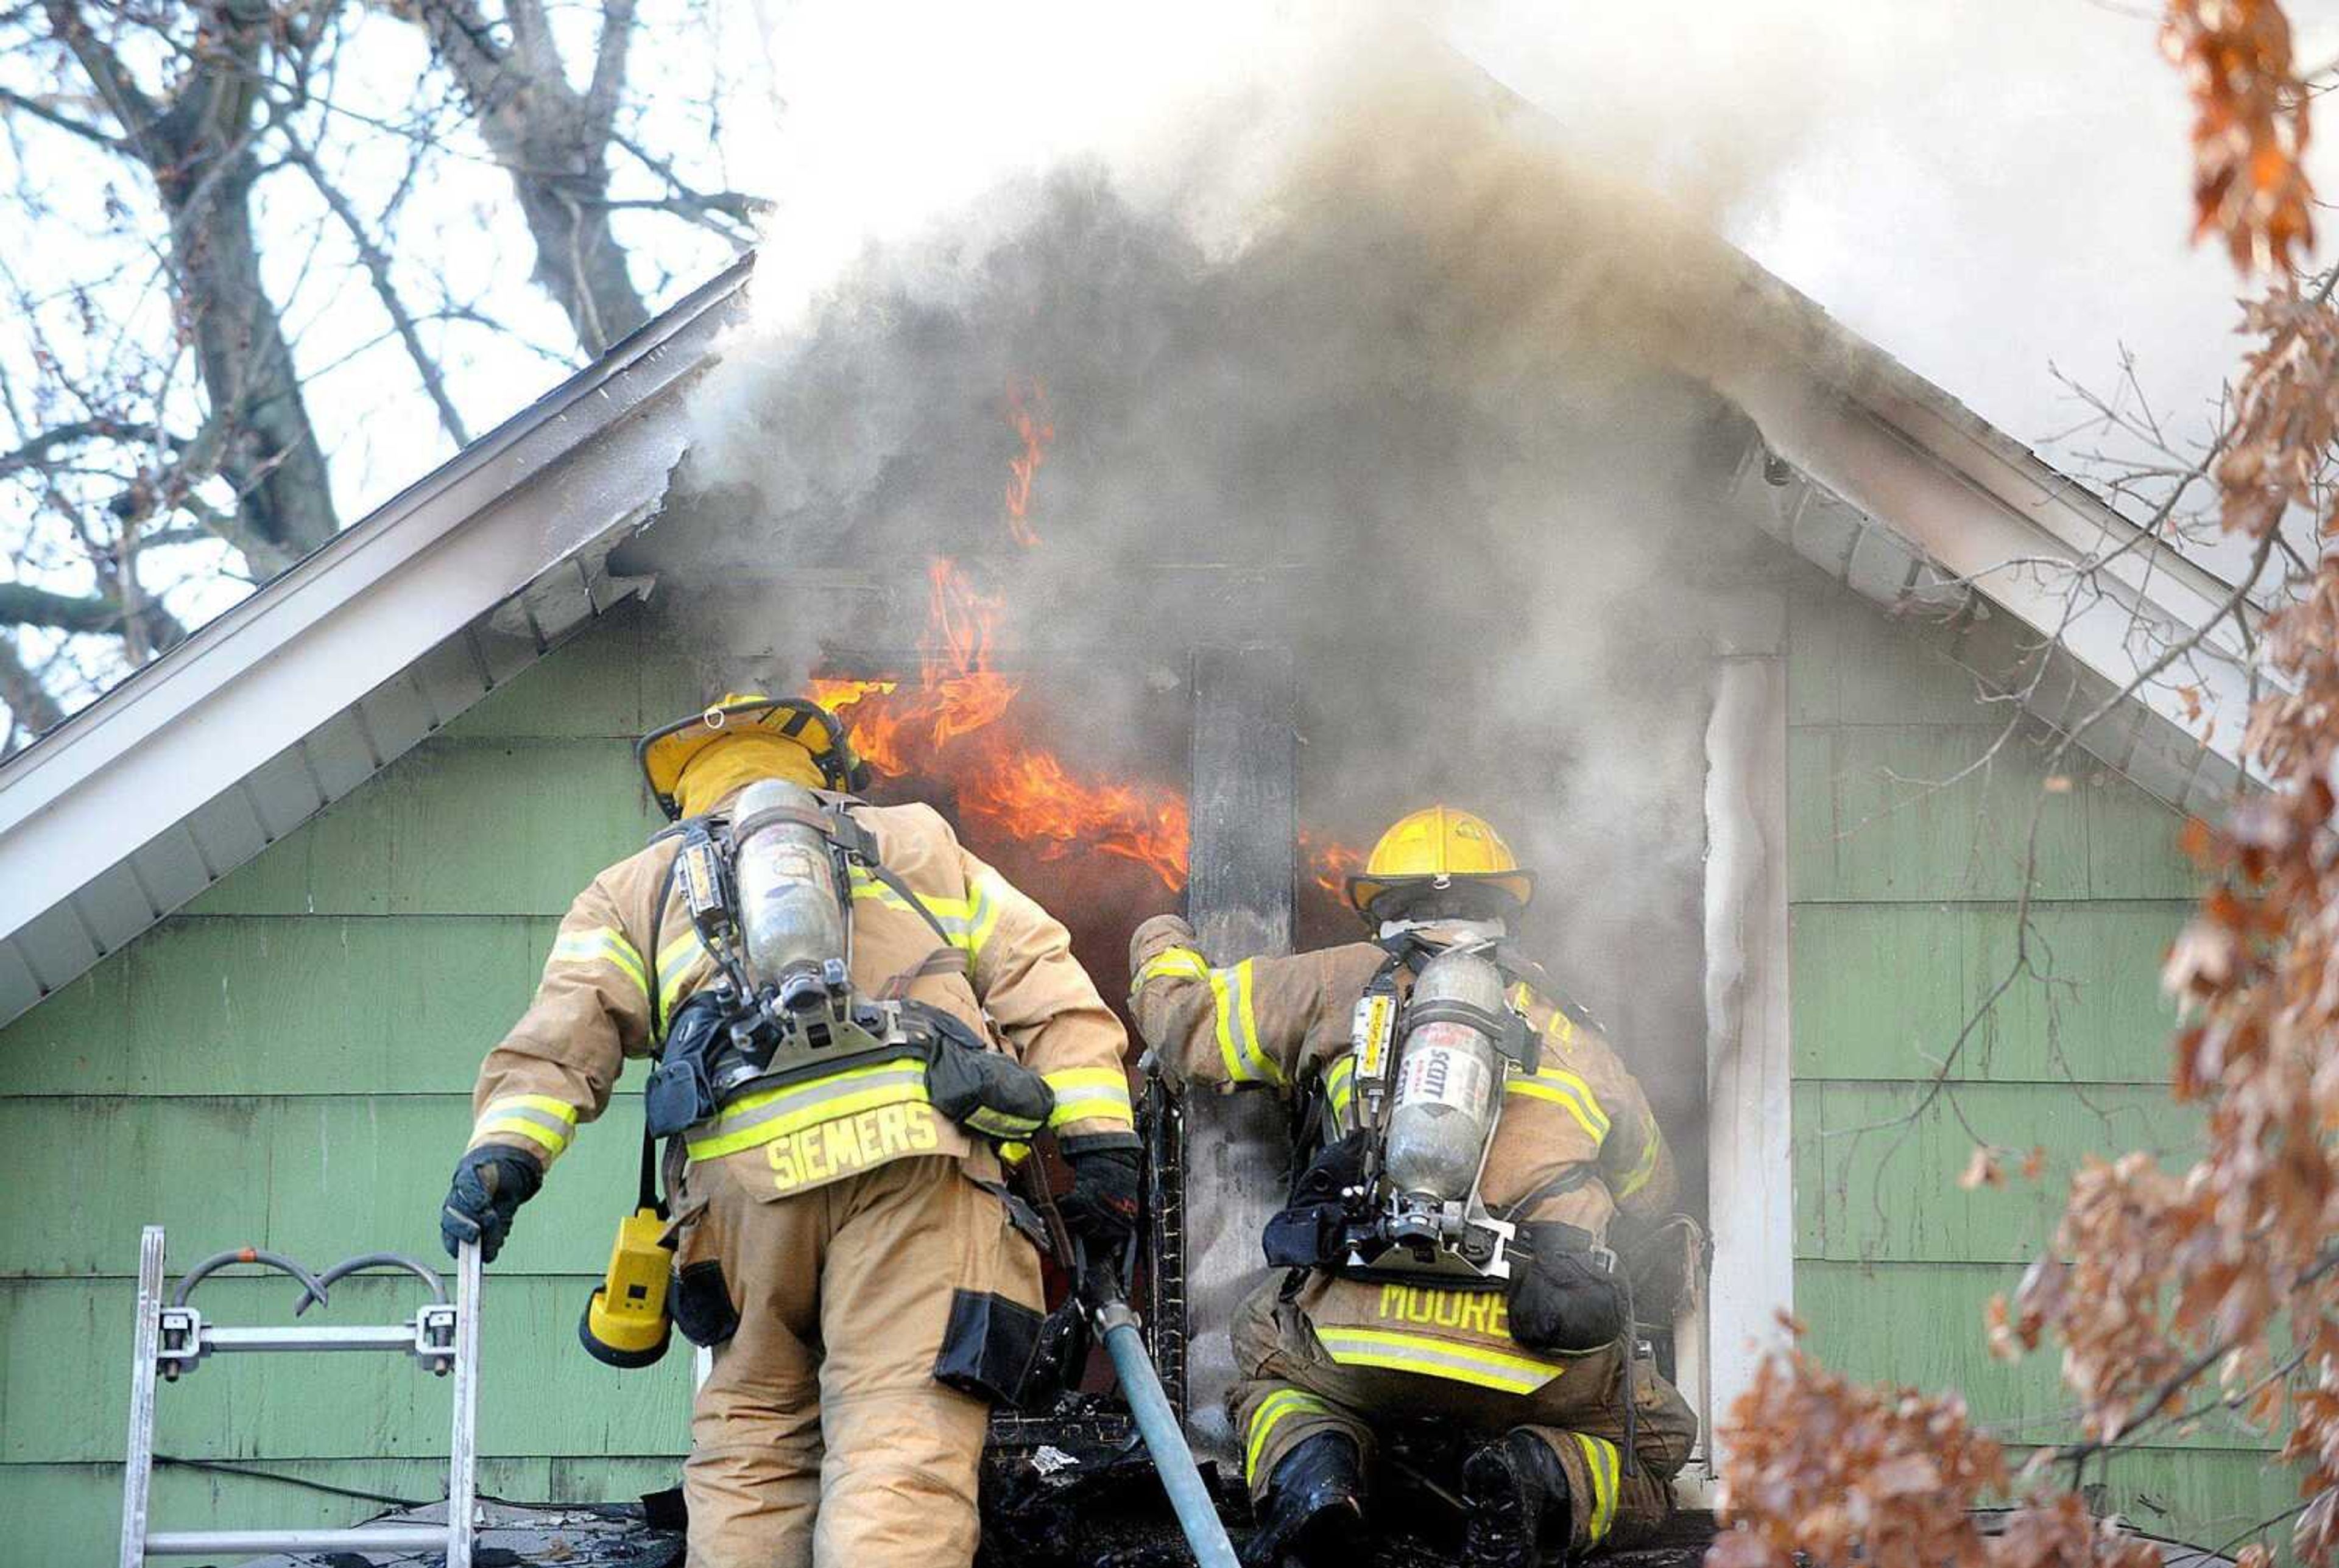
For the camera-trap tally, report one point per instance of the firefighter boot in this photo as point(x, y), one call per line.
point(1515, 1497)
point(1315, 1509)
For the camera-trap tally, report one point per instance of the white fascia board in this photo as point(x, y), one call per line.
point(1987, 512)
point(590, 457)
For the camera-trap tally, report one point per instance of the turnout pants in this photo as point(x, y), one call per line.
point(822, 1436)
point(1290, 1389)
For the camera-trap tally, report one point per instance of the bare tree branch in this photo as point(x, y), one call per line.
point(554, 148)
point(30, 709)
point(377, 265)
point(41, 111)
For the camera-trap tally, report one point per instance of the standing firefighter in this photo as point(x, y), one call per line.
point(851, 1015)
point(1465, 1140)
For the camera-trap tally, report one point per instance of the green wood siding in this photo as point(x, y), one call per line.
point(1909, 814)
point(289, 1063)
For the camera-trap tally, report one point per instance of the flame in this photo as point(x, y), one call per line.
point(948, 723)
point(1335, 862)
point(958, 720)
point(1036, 430)
point(1030, 794)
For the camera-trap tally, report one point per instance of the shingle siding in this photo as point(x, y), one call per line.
point(288, 1063)
point(1910, 809)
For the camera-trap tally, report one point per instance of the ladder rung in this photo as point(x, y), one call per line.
point(313, 1337)
point(361, 1538)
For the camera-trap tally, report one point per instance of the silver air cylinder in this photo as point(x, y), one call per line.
point(1447, 1077)
point(789, 916)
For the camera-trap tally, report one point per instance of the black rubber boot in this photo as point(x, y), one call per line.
point(1516, 1495)
point(1314, 1515)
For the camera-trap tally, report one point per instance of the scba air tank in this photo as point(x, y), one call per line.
point(1447, 1077)
point(789, 916)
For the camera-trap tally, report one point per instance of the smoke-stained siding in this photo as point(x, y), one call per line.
point(1903, 920)
point(289, 1063)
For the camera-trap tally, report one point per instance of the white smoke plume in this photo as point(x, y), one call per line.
point(1345, 349)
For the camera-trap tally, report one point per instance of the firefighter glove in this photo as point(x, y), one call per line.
point(1564, 1298)
point(490, 1183)
point(1103, 1204)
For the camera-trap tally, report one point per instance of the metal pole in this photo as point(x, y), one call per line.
point(146, 1340)
point(463, 1455)
point(1197, 1517)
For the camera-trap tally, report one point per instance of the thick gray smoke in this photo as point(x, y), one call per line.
point(1423, 421)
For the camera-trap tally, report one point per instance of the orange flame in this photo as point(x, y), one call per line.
point(949, 722)
point(1334, 862)
point(1036, 430)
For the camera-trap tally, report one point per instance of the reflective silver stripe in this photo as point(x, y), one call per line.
point(772, 1113)
point(1246, 1060)
point(1089, 1094)
point(992, 1123)
point(543, 1120)
point(1570, 1093)
point(601, 944)
point(1341, 1091)
point(1601, 1459)
point(1510, 1373)
point(676, 962)
point(1272, 1412)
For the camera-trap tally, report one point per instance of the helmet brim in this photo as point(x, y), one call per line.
point(1366, 892)
point(665, 752)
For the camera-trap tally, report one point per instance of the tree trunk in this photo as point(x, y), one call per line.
point(198, 147)
point(553, 142)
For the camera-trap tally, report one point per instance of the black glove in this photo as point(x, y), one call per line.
point(490, 1184)
point(1103, 1206)
point(1562, 1298)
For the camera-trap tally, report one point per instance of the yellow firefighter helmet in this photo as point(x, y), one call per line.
point(666, 751)
point(1436, 850)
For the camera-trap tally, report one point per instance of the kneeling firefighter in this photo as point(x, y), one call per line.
point(1465, 1139)
point(851, 1016)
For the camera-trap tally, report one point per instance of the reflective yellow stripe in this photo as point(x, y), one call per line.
point(676, 962)
point(543, 1102)
point(547, 1122)
point(1180, 960)
point(1272, 1411)
point(759, 1118)
point(1601, 1459)
point(967, 922)
point(602, 942)
point(995, 1123)
point(1570, 1093)
point(1447, 1358)
point(1340, 1090)
point(1089, 1094)
point(1653, 1144)
point(552, 1142)
point(1239, 1047)
point(1559, 1029)
point(990, 903)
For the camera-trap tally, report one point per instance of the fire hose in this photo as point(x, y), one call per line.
point(1148, 1406)
point(1157, 1422)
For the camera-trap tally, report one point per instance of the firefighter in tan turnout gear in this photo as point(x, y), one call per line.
point(1428, 1269)
point(852, 1015)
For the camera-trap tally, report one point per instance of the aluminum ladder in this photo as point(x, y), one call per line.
point(171, 1339)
